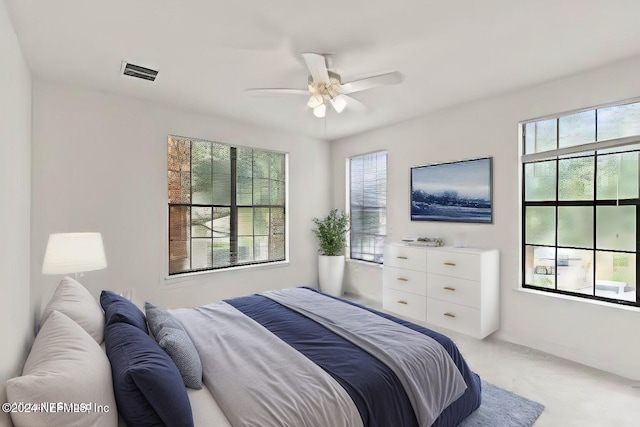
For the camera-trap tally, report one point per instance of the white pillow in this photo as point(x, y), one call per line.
point(65, 365)
point(74, 300)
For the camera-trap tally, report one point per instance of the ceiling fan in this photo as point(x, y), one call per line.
point(326, 86)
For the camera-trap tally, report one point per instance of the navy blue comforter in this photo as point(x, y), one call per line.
point(374, 388)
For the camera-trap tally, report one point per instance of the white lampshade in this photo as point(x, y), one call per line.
point(320, 110)
point(315, 100)
point(339, 102)
point(74, 253)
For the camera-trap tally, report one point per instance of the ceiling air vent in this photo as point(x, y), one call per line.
point(138, 71)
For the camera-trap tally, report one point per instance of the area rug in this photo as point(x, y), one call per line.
point(501, 408)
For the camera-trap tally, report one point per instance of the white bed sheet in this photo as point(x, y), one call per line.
point(206, 412)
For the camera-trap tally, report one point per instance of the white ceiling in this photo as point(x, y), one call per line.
point(209, 51)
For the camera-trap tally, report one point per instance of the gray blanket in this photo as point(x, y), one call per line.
point(257, 379)
point(428, 374)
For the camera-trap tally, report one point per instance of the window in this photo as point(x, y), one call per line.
point(368, 206)
point(226, 205)
point(580, 199)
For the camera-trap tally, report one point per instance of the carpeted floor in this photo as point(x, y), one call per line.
point(502, 408)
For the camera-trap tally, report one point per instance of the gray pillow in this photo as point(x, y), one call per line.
point(65, 364)
point(173, 339)
point(76, 302)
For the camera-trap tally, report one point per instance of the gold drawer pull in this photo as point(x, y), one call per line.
point(402, 257)
point(450, 315)
point(402, 279)
point(449, 288)
point(402, 302)
point(452, 264)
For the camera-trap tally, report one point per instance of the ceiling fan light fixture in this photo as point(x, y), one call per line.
point(320, 111)
point(325, 86)
point(315, 101)
point(338, 103)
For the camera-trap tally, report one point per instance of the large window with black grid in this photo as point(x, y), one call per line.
point(580, 198)
point(227, 205)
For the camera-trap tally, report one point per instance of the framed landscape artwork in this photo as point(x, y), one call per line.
point(456, 192)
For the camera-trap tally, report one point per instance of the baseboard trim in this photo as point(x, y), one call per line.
point(572, 354)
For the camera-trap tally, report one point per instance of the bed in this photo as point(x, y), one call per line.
point(291, 357)
point(313, 327)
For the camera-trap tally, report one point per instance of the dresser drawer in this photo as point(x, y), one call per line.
point(403, 256)
point(454, 264)
point(453, 316)
point(405, 280)
point(453, 289)
point(404, 303)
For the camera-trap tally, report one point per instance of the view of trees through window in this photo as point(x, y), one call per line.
point(226, 205)
point(580, 204)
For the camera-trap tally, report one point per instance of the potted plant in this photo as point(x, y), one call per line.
point(332, 235)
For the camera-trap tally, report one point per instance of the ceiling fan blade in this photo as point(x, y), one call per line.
point(354, 104)
point(341, 102)
point(392, 78)
point(338, 103)
point(317, 66)
point(277, 91)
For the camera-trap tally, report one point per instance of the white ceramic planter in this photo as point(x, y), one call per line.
point(331, 272)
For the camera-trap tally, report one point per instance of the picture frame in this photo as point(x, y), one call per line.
point(460, 191)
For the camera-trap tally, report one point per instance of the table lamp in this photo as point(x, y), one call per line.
point(74, 253)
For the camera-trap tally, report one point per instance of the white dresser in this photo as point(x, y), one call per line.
point(456, 288)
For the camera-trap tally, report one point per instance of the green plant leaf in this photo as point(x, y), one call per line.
point(332, 232)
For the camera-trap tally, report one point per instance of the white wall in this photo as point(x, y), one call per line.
point(100, 164)
point(15, 183)
point(593, 334)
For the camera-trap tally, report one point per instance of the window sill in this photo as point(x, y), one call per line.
point(578, 299)
point(368, 263)
point(178, 278)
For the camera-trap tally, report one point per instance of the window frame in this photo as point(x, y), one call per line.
point(593, 150)
point(349, 210)
point(233, 226)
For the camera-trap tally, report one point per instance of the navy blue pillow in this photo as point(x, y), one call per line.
point(119, 309)
point(147, 385)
